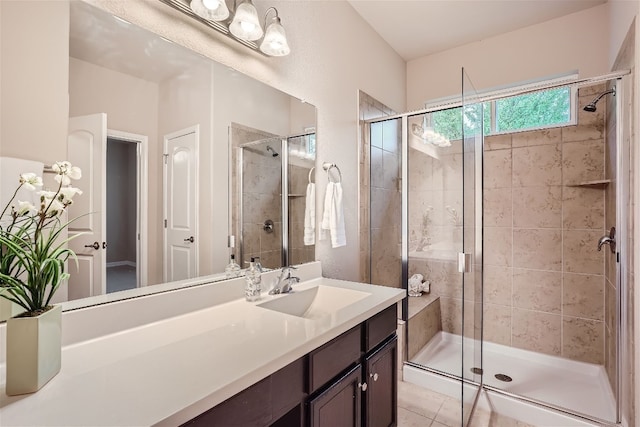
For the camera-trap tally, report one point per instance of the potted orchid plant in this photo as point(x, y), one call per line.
point(33, 252)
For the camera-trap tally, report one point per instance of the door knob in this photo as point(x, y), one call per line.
point(362, 386)
point(104, 245)
point(189, 240)
point(95, 246)
point(374, 376)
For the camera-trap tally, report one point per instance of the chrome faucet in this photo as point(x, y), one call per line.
point(283, 284)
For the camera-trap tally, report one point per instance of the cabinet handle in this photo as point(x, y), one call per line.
point(374, 376)
point(362, 386)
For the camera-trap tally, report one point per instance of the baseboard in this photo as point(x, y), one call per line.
point(121, 263)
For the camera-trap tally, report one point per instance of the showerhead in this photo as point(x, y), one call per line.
point(272, 151)
point(591, 107)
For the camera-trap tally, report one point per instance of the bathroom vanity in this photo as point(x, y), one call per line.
point(349, 381)
point(204, 356)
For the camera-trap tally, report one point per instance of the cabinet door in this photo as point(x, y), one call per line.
point(381, 374)
point(340, 404)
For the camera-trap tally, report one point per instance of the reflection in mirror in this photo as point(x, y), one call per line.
point(260, 199)
point(167, 117)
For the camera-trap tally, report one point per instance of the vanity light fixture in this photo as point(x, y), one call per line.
point(275, 39)
point(246, 24)
point(214, 10)
point(241, 23)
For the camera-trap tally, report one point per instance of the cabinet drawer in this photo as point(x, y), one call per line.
point(334, 357)
point(379, 327)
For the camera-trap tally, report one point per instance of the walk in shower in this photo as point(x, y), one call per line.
point(502, 234)
point(269, 184)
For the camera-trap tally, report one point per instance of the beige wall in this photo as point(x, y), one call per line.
point(574, 42)
point(34, 128)
point(326, 70)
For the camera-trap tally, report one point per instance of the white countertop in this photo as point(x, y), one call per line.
point(169, 371)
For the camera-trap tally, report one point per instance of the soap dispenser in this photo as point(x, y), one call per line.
point(232, 269)
point(253, 282)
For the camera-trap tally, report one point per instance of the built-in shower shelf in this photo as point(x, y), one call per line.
point(601, 183)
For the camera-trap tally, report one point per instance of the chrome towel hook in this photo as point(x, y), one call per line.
point(327, 166)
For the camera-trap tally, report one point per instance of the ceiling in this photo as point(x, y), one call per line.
point(422, 27)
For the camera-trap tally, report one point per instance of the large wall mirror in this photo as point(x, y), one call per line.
point(199, 162)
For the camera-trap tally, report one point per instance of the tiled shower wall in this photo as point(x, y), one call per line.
point(543, 215)
point(298, 179)
point(380, 197)
point(260, 197)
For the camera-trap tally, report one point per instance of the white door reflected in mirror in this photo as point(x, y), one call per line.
point(87, 142)
point(180, 204)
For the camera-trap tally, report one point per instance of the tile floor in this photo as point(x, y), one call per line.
point(418, 407)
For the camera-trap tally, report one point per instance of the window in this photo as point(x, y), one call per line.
point(529, 111)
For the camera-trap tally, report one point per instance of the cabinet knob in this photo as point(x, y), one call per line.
point(362, 386)
point(374, 376)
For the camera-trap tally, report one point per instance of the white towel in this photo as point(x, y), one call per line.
point(310, 215)
point(10, 171)
point(333, 217)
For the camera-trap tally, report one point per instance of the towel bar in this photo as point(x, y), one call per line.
point(327, 167)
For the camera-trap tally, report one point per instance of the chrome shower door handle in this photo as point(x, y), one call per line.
point(608, 240)
point(464, 262)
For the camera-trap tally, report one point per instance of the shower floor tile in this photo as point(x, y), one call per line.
point(577, 386)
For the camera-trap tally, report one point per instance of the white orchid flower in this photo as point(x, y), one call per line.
point(65, 172)
point(53, 207)
point(23, 208)
point(30, 181)
point(45, 194)
point(67, 193)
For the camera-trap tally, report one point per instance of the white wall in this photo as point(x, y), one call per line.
point(334, 53)
point(34, 128)
point(621, 15)
point(579, 41)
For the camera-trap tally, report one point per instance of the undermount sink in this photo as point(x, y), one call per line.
point(314, 303)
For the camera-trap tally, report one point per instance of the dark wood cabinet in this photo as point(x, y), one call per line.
point(349, 381)
point(339, 405)
point(381, 375)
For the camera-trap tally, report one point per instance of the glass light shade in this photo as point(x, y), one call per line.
point(245, 24)
point(213, 10)
point(275, 40)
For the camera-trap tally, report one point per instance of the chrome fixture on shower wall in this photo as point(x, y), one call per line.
point(241, 23)
point(591, 107)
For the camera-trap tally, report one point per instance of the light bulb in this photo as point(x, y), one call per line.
point(213, 10)
point(211, 4)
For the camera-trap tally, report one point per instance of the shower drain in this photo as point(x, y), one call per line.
point(477, 371)
point(503, 377)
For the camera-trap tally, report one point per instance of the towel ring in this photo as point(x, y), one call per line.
point(327, 167)
point(313, 168)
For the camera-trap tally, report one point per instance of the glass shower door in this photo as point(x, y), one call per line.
point(470, 260)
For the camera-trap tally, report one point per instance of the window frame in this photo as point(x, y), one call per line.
point(491, 96)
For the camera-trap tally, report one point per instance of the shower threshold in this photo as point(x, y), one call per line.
point(580, 388)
